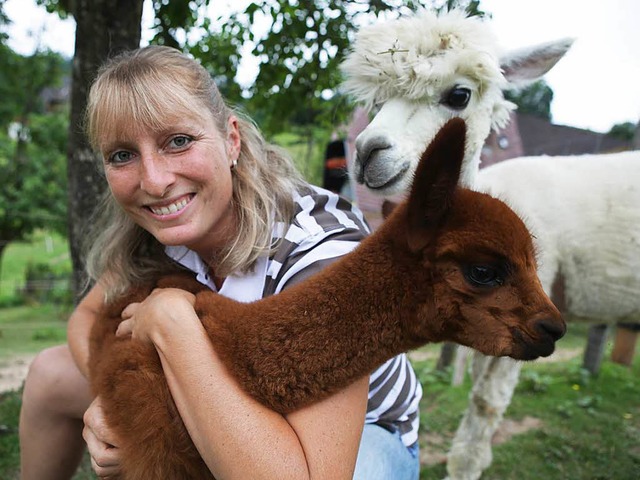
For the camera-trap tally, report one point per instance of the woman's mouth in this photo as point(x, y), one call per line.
point(171, 208)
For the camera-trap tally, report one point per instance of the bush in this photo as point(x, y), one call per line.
point(43, 284)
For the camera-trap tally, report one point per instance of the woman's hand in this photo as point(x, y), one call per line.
point(162, 306)
point(101, 442)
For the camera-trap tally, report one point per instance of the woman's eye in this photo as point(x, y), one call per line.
point(483, 276)
point(457, 98)
point(120, 157)
point(180, 141)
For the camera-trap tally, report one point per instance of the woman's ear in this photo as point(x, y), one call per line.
point(233, 141)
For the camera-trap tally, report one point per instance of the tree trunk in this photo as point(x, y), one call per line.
point(103, 28)
point(447, 352)
point(3, 245)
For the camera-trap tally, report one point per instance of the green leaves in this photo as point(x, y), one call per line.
point(32, 145)
point(534, 99)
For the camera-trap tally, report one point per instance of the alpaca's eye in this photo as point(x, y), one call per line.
point(457, 98)
point(483, 276)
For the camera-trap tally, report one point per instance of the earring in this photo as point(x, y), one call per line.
point(234, 164)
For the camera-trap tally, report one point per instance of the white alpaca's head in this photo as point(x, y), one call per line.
point(421, 71)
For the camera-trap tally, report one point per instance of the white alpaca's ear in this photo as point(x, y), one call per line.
point(525, 65)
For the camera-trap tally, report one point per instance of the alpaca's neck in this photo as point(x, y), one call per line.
point(339, 325)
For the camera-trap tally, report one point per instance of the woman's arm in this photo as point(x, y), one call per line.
point(80, 323)
point(237, 436)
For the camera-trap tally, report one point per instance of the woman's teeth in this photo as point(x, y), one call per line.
point(173, 208)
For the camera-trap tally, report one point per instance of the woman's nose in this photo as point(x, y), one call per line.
point(155, 176)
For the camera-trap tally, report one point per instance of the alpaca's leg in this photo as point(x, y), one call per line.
point(495, 379)
point(55, 397)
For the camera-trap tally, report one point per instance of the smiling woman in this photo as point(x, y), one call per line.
point(194, 185)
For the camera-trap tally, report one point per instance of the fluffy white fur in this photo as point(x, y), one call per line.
point(415, 57)
point(408, 67)
point(585, 213)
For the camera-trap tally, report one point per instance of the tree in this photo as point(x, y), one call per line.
point(298, 50)
point(4, 20)
point(534, 99)
point(624, 131)
point(103, 28)
point(32, 153)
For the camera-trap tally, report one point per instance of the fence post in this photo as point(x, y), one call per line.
point(596, 342)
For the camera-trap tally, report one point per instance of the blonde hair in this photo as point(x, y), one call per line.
point(149, 88)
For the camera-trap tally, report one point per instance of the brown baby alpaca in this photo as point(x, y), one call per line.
point(448, 264)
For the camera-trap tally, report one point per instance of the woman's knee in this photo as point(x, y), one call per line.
point(54, 382)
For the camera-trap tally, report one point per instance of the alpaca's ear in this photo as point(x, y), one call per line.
point(434, 183)
point(526, 65)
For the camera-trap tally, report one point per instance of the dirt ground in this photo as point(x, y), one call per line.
point(13, 372)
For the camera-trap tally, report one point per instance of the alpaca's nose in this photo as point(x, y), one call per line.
point(555, 328)
point(368, 148)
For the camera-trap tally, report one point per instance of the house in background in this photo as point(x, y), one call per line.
point(528, 135)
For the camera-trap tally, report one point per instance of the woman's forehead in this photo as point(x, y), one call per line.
point(126, 129)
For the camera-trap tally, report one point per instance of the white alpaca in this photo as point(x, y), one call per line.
point(423, 70)
point(584, 209)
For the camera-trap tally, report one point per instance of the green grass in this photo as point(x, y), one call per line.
point(26, 329)
point(308, 155)
point(590, 426)
point(44, 247)
point(9, 444)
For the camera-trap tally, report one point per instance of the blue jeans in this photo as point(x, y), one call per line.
point(383, 456)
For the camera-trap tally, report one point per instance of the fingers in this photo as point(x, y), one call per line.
point(105, 458)
point(129, 310)
point(125, 328)
point(101, 441)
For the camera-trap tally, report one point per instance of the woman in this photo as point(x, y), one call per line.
point(191, 183)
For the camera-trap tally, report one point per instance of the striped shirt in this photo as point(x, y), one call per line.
point(324, 227)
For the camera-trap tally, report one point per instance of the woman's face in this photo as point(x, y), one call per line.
point(176, 183)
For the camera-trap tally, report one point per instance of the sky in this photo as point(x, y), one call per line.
point(596, 85)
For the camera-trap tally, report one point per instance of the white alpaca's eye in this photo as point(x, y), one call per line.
point(457, 98)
